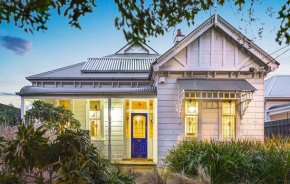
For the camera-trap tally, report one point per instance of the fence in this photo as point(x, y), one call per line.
point(279, 127)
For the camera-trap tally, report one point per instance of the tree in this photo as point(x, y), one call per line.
point(138, 19)
point(55, 118)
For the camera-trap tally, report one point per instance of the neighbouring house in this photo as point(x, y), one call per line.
point(277, 98)
point(138, 104)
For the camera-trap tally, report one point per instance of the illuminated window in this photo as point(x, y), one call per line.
point(139, 105)
point(228, 119)
point(191, 118)
point(127, 125)
point(95, 120)
point(150, 125)
point(191, 125)
point(65, 104)
point(139, 126)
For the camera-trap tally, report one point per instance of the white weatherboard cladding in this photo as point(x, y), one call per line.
point(252, 125)
point(212, 51)
point(169, 124)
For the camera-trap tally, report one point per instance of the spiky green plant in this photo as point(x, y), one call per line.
point(234, 161)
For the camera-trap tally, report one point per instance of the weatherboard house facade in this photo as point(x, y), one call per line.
point(137, 104)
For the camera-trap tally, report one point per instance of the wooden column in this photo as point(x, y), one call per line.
point(22, 108)
point(109, 129)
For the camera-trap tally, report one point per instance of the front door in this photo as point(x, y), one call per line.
point(139, 135)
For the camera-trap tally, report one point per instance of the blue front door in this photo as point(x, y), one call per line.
point(139, 135)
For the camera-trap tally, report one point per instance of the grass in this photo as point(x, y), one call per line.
point(232, 162)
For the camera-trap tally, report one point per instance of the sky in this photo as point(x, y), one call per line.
point(24, 54)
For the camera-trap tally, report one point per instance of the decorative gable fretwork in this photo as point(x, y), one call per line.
point(216, 45)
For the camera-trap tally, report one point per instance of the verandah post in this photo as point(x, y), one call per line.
point(109, 129)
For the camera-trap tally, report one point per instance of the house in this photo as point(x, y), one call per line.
point(277, 98)
point(137, 104)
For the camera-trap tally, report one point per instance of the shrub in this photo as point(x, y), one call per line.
point(10, 179)
point(232, 162)
point(69, 158)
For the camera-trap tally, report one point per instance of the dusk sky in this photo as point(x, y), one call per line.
point(23, 54)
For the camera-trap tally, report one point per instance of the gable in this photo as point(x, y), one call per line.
point(137, 49)
point(212, 51)
point(214, 46)
point(133, 48)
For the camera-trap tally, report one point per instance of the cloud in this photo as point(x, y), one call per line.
point(6, 94)
point(18, 45)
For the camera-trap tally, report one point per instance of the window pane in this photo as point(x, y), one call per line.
point(191, 126)
point(228, 126)
point(65, 104)
point(139, 127)
point(228, 108)
point(94, 105)
point(95, 126)
point(95, 114)
point(191, 107)
point(139, 105)
point(95, 129)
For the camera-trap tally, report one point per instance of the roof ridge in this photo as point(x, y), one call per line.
point(121, 58)
point(55, 70)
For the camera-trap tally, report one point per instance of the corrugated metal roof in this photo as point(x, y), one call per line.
point(215, 85)
point(277, 86)
point(73, 72)
point(34, 90)
point(118, 64)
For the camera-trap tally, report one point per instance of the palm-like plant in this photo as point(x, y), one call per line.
point(24, 151)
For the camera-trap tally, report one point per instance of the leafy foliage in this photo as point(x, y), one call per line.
point(9, 115)
point(56, 118)
point(22, 152)
point(33, 15)
point(10, 179)
point(233, 162)
point(138, 19)
point(284, 32)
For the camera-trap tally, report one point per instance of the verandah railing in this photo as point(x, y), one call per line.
point(279, 127)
